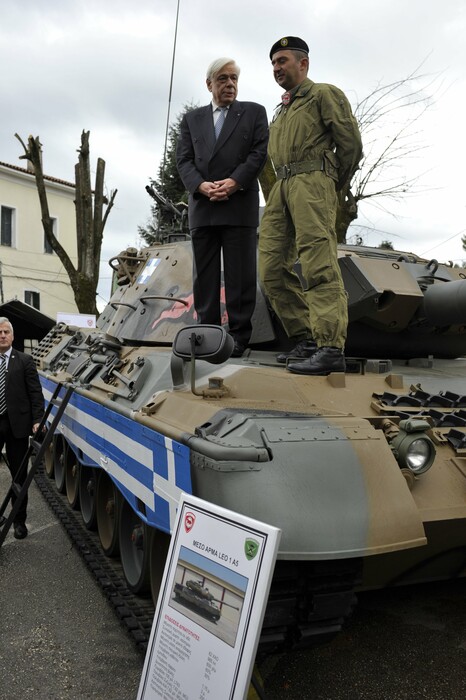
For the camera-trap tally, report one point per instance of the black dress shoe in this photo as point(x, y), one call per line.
point(304, 348)
point(323, 361)
point(238, 349)
point(20, 531)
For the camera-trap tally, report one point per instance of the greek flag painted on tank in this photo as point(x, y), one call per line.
point(146, 466)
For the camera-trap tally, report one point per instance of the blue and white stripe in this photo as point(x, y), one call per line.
point(144, 464)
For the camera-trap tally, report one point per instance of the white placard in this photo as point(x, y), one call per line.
point(79, 320)
point(211, 605)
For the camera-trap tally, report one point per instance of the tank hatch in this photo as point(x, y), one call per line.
point(158, 301)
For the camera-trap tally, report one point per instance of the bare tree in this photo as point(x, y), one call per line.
point(388, 119)
point(90, 220)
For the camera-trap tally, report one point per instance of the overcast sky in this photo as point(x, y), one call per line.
point(104, 66)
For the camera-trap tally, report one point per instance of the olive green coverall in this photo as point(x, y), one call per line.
point(315, 147)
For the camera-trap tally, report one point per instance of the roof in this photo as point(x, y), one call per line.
point(16, 168)
point(27, 321)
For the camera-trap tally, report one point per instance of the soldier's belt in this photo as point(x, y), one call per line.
point(304, 166)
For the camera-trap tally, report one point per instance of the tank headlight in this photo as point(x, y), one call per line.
point(412, 448)
point(419, 455)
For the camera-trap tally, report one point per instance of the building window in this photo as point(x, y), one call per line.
point(32, 298)
point(47, 247)
point(7, 226)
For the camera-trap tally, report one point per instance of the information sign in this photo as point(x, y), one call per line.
point(79, 320)
point(211, 605)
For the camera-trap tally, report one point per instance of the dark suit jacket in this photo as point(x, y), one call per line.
point(24, 398)
point(240, 153)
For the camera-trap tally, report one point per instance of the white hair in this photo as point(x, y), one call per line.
point(217, 65)
point(4, 319)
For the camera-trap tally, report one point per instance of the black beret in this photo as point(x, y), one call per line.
point(290, 43)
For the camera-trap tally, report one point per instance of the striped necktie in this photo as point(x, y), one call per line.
point(220, 120)
point(2, 384)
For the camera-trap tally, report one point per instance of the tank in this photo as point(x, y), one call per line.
point(198, 598)
point(364, 472)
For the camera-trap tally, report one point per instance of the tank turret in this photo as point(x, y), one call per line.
point(198, 599)
point(403, 306)
point(399, 305)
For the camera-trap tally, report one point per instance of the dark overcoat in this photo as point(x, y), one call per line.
point(240, 153)
point(24, 398)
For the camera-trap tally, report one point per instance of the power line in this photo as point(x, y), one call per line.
point(36, 269)
point(42, 289)
point(443, 242)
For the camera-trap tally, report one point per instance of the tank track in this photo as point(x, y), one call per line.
point(308, 602)
point(135, 613)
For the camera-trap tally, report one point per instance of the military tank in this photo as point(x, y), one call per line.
point(364, 472)
point(198, 598)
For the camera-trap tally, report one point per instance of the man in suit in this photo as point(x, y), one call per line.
point(21, 410)
point(220, 152)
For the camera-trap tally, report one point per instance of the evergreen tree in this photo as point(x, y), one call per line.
point(169, 187)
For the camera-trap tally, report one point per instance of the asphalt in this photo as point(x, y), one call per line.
point(400, 644)
point(59, 637)
point(61, 640)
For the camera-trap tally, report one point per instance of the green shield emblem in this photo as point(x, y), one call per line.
point(251, 547)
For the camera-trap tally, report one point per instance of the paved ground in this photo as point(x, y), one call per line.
point(61, 640)
point(405, 644)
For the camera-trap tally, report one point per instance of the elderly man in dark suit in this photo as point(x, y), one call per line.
point(220, 152)
point(21, 410)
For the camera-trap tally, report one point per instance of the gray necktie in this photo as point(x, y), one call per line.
point(220, 120)
point(2, 384)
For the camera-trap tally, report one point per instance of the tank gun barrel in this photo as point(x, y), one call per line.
point(229, 605)
point(165, 204)
point(445, 304)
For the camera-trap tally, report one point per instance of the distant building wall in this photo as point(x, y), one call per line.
point(29, 270)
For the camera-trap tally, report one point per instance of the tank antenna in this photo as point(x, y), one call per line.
point(170, 94)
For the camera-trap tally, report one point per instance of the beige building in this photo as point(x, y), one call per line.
point(29, 270)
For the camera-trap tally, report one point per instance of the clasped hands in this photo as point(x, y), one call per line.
point(220, 190)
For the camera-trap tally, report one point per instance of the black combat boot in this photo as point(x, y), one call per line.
point(304, 348)
point(323, 361)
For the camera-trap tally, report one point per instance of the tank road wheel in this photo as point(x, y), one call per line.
point(59, 446)
point(71, 477)
point(134, 550)
point(48, 459)
point(87, 496)
point(159, 545)
point(108, 504)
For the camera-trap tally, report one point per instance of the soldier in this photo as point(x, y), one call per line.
point(315, 146)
